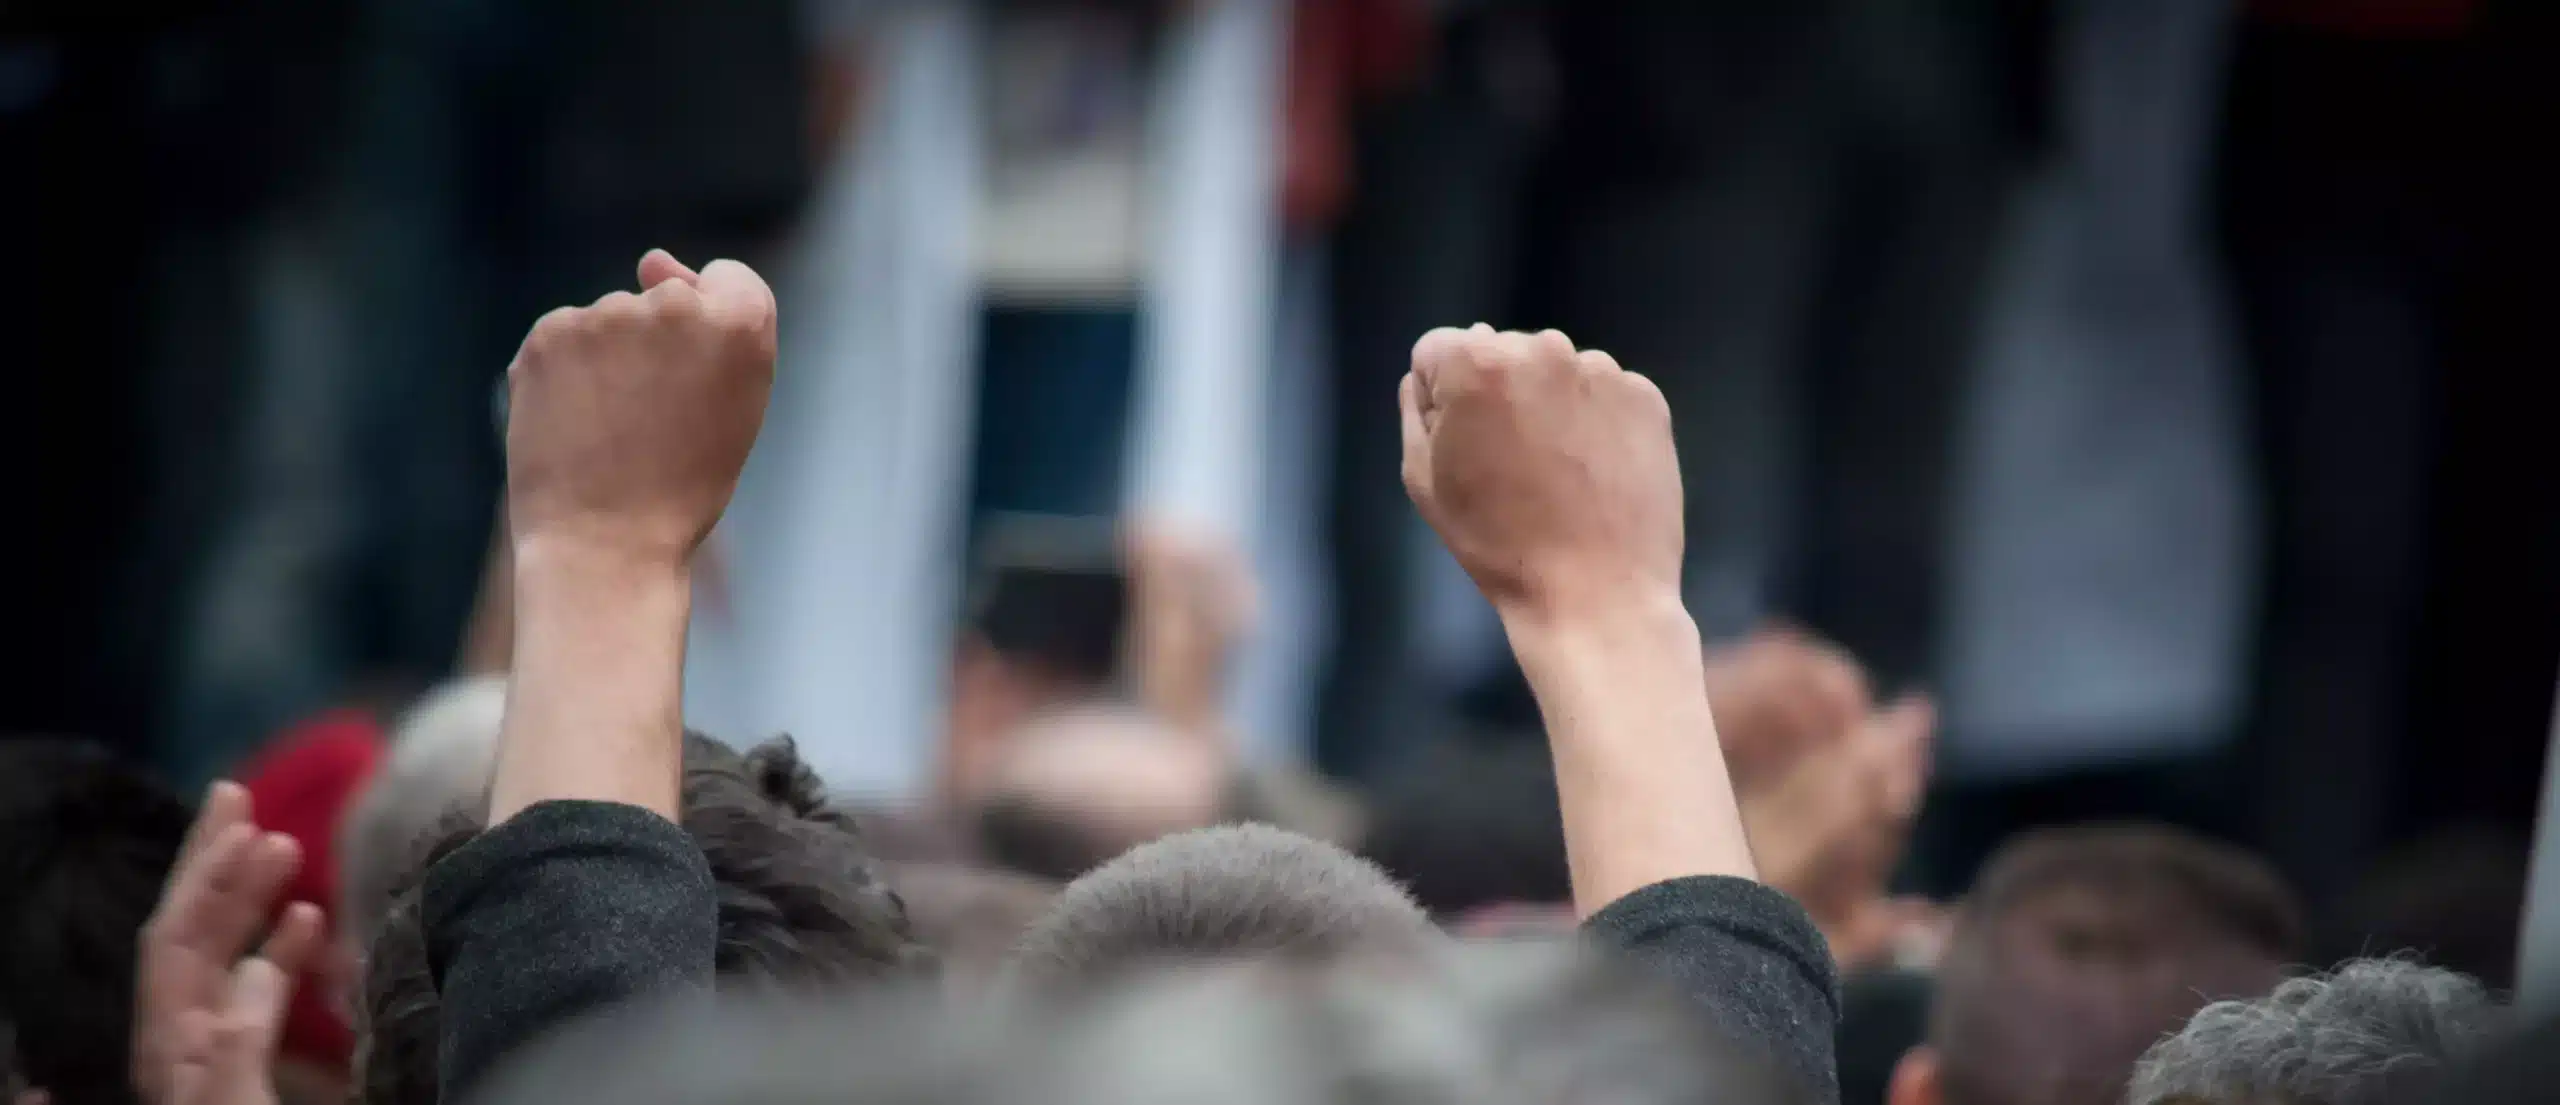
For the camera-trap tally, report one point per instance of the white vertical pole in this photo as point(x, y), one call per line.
point(1212, 259)
point(1211, 267)
point(843, 584)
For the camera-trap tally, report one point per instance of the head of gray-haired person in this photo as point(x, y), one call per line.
point(1513, 1024)
point(443, 751)
point(1226, 893)
point(2373, 1031)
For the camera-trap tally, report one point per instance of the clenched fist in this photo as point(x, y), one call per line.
point(1549, 472)
point(630, 418)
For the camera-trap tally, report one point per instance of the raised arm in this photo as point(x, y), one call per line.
point(629, 421)
point(1549, 472)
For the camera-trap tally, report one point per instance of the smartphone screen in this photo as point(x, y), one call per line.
point(1051, 591)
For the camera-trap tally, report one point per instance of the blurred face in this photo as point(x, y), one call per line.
point(991, 698)
point(1128, 776)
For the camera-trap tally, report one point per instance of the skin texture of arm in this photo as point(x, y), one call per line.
point(1639, 775)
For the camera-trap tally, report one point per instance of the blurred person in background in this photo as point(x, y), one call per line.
point(2383, 231)
point(1785, 213)
point(2101, 570)
point(971, 918)
point(168, 160)
point(1088, 700)
point(13, 1083)
point(2451, 897)
point(1829, 784)
point(1470, 827)
point(2078, 949)
point(87, 839)
point(1076, 788)
point(1051, 246)
point(494, 159)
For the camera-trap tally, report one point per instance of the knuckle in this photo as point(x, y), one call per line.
point(749, 317)
point(232, 1033)
point(1486, 355)
point(674, 299)
point(619, 309)
point(1553, 347)
point(554, 326)
point(1645, 394)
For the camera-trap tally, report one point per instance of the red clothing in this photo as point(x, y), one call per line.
point(1339, 51)
point(301, 785)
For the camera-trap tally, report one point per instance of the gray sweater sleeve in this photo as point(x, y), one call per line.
point(1747, 955)
point(566, 909)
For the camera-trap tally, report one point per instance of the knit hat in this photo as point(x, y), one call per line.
point(301, 785)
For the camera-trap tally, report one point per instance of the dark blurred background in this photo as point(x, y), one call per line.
point(2159, 382)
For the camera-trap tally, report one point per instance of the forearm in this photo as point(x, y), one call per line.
point(1639, 774)
point(595, 701)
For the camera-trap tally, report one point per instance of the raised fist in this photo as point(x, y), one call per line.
point(1549, 472)
point(630, 418)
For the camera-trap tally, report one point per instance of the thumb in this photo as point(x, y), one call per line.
point(1417, 441)
point(1432, 353)
point(659, 266)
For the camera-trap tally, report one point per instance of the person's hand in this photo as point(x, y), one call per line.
point(1549, 472)
point(1908, 932)
point(1781, 694)
point(629, 422)
point(188, 971)
point(230, 1050)
point(630, 418)
point(1829, 830)
point(1191, 601)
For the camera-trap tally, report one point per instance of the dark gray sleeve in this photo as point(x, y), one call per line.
point(566, 909)
point(1747, 955)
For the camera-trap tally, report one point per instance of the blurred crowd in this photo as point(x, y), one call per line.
point(2104, 579)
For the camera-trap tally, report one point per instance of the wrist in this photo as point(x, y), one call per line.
point(545, 568)
point(595, 698)
point(1643, 619)
point(1640, 777)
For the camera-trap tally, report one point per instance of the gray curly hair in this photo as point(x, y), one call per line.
point(2366, 1033)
